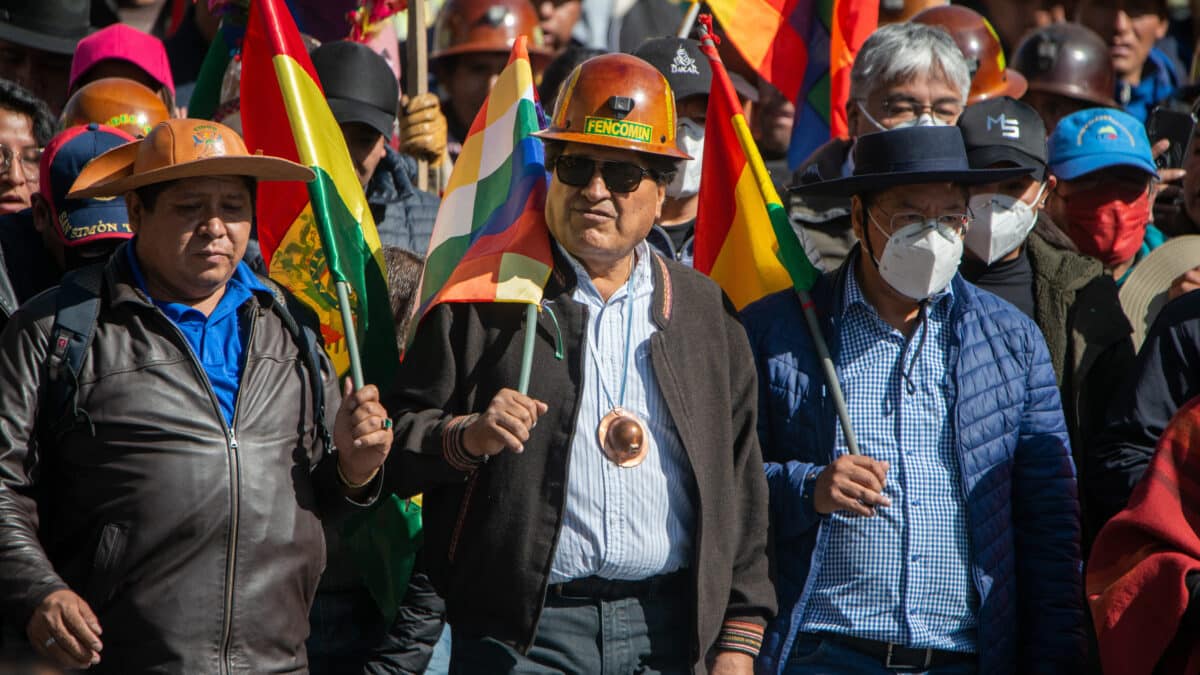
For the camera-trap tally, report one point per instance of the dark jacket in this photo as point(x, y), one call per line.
point(26, 268)
point(1165, 377)
point(490, 535)
point(403, 214)
point(1017, 478)
point(825, 219)
point(198, 548)
point(1077, 308)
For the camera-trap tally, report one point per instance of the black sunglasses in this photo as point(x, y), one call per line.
point(577, 171)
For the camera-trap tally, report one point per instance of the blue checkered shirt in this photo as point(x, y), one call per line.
point(902, 576)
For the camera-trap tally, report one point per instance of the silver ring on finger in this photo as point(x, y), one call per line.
point(49, 642)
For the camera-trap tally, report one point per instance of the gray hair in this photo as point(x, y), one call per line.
point(902, 51)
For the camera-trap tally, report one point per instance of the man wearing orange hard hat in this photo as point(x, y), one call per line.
point(471, 43)
point(167, 432)
point(626, 489)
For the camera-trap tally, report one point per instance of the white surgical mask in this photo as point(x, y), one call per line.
point(1000, 224)
point(919, 260)
point(690, 139)
point(924, 120)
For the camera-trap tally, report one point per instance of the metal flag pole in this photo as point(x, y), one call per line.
point(416, 71)
point(806, 302)
point(685, 27)
point(527, 351)
point(351, 336)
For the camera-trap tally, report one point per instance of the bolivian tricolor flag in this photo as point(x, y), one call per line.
point(313, 236)
point(490, 242)
point(743, 238)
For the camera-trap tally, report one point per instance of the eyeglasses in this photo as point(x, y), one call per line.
point(949, 225)
point(577, 171)
point(29, 157)
point(902, 108)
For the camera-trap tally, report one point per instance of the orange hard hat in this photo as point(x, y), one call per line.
point(488, 26)
point(980, 46)
point(127, 105)
point(617, 101)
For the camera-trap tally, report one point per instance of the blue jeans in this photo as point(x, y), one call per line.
point(812, 655)
point(590, 637)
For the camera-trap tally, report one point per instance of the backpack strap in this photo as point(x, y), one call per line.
point(76, 311)
point(287, 307)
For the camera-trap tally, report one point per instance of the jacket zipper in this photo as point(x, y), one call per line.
point(231, 446)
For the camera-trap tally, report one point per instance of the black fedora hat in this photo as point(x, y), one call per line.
point(906, 156)
point(49, 25)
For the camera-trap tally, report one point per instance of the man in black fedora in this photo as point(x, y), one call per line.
point(37, 39)
point(950, 544)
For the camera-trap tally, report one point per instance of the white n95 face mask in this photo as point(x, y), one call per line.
point(1001, 223)
point(690, 139)
point(919, 260)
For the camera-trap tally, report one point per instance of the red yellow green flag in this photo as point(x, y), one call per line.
point(316, 235)
point(743, 238)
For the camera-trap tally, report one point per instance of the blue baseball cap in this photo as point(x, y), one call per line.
point(1099, 138)
point(82, 221)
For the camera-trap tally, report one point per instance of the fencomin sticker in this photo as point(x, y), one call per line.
point(603, 126)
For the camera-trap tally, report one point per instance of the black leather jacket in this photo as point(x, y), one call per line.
point(196, 544)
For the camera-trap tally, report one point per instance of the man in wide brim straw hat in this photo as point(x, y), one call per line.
point(182, 419)
point(959, 515)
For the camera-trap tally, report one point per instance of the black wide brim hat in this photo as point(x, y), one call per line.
point(907, 156)
point(54, 26)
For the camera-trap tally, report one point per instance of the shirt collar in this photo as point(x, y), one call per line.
point(243, 278)
point(639, 282)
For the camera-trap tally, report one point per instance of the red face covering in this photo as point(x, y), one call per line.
point(1107, 227)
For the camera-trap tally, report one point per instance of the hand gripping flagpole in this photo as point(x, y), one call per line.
point(806, 302)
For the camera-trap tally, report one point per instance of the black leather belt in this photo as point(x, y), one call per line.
point(898, 657)
point(598, 588)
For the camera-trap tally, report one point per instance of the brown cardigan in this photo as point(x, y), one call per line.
point(490, 534)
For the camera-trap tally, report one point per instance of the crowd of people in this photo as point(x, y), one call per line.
point(965, 449)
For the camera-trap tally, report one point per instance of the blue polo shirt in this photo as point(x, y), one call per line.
point(217, 340)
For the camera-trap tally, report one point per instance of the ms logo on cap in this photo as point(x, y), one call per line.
point(207, 141)
point(1009, 127)
point(684, 63)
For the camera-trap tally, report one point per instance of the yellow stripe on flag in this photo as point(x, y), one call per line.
point(747, 266)
point(319, 142)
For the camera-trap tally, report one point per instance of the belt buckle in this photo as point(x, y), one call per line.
point(887, 663)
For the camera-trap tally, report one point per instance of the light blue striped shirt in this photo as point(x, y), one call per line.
point(903, 575)
point(623, 523)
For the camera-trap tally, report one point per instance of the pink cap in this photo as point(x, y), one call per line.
point(124, 43)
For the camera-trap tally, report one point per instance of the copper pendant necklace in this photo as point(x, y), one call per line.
point(623, 436)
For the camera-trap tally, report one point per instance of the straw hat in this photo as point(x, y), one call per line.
point(175, 149)
point(1145, 291)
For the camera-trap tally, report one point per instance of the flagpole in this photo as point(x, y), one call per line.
point(806, 302)
point(527, 351)
point(416, 74)
point(685, 27)
point(343, 294)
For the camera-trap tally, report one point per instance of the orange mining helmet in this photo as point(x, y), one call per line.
point(980, 46)
point(617, 101)
point(483, 26)
point(127, 105)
